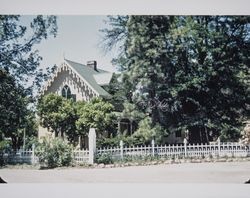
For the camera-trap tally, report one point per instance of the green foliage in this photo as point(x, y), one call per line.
point(59, 115)
point(146, 132)
point(140, 159)
point(116, 89)
point(108, 142)
point(196, 67)
point(54, 153)
point(5, 145)
point(104, 158)
point(19, 63)
point(30, 141)
point(116, 34)
point(131, 111)
point(15, 115)
point(96, 114)
point(128, 141)
point(63, 116)
point(17, 45)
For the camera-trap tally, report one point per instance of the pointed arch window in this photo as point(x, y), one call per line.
point(66, 93)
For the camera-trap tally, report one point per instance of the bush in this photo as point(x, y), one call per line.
point(148, 131)
point(115, 142)
point(5, 146)
point(55, 153)
point(104, 158)
point(108, 142)
point(30, 141)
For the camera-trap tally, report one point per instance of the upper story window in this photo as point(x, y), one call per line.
point(66, 93)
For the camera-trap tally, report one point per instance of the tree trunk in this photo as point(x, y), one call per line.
point(14, 142)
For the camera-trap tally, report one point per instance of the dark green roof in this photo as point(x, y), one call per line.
point(88, 74)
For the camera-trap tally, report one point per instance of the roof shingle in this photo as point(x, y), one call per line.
point(89, 75)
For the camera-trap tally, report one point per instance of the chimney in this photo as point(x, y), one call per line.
point(92, 64)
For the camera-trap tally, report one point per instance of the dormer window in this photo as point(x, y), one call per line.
point(66, 93)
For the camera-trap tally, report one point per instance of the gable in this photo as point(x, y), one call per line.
point(81, 80)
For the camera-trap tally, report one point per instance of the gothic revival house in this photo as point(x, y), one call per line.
point(77, 81)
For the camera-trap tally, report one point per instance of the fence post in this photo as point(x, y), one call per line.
point(153, 147)
point(92, 145)
point(218, 146)
point(33, 154)
point(248, 150)
point(185, 147)
point(121, 149)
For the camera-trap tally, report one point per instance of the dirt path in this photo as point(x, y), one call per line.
point(229, 172)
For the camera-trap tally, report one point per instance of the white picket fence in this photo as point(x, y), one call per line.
point(20, 156)
point(29, 157)
point(81, 156)
point(229, 149)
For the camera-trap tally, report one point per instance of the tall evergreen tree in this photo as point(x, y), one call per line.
point(209, 84)
point(190, 72)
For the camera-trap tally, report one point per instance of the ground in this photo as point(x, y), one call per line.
point(221, 172)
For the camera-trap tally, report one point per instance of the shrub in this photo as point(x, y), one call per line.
point(30, 141)
point(54, 153)
point(148, 131)
point(115, 142)
point(108, 142)
point(5, 145)
point(104, 158)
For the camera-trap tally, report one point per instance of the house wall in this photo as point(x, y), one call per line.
point(65, 78)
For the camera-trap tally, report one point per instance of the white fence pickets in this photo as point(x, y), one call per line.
point(81, 156)
point(20, 156)
point(227, 149)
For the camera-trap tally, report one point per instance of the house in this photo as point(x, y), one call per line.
point(77, 81)
point(81, 83)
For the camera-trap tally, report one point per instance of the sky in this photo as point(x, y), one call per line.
point(78, 39)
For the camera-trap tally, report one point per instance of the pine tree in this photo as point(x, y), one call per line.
point(189, 72)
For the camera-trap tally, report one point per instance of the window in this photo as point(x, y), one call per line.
point(66, 93)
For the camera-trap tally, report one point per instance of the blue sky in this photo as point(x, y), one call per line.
point(78, 39)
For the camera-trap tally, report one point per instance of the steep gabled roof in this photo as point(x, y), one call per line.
point(89, 74)
point(94, 78)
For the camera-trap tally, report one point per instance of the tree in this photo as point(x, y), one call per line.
point(115, 35)
point(17, 54)
point(18, 65)
point(209, 84)
point(15, 115)
point(96, 114)
point(189, 72)
point(116, 89)
point(59, 115)
point(54, 153)
point(145, 52)
point(147, 131)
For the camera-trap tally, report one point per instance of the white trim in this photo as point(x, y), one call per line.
point(86, 82)
point(67, 67)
